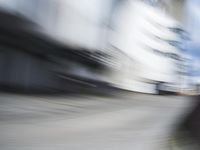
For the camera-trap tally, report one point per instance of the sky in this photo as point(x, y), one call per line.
point(193, 26)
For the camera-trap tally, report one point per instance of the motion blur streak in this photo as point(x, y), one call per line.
point(99, 74)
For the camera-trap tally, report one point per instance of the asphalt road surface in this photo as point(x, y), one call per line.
point(126, 121)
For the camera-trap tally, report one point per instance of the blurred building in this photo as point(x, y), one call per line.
point(78, 23)
point(137, 40)
point(149, 38)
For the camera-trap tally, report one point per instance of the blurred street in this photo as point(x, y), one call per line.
point(99, 75)
point(126, 121)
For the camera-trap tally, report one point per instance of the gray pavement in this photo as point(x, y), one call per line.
point(126, 121)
